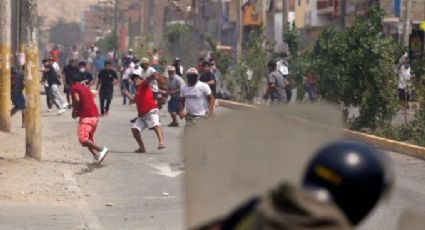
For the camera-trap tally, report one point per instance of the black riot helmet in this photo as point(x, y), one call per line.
point(353, 175)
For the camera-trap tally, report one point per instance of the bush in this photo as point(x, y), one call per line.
point(356, 68)
point(178, 39)
point(257, 53)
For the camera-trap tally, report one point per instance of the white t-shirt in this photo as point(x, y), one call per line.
point(56, 67)
point(403, 77)
point(126, 74)
point(196, 98)
point(75, 55)
point(147, 73)
point(282, 67)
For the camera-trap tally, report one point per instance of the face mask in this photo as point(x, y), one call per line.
point(82, 70)
point(192, 79)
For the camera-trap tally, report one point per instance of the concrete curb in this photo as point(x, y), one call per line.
point(391, 145)
point(236, 105)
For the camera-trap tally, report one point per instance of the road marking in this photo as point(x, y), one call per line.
point(158, 197)
point(89, 217)
point(164, 170)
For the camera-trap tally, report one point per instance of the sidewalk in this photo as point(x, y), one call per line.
point(37, 191)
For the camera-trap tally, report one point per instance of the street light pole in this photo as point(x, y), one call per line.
point(5, 64)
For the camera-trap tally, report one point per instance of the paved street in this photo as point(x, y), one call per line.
point(144, 191)
point(129, 191)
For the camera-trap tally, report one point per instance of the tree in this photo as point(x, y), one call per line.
point(223, 60)
point(178, 41)
point(65, 33)
point(108, 43)
point(356, 67)
point(257, 52)
point(298, 62)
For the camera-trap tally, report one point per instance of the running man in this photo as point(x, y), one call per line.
point(83, 106)
point(196, 99)
point(53, 81)
point(68, 71)
point(106, 80)
point(148, 112)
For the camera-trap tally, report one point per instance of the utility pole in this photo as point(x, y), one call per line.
point(29, 46)
point(5, 64)
point(407, 18)
point(343, 14)
point(285, 10)
point(240, 30)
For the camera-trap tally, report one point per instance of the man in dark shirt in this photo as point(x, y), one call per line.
point(86, 76)
point(18, 98)
point(107, 78)
point(68, 73)
point(50, 76)
point(208, 77)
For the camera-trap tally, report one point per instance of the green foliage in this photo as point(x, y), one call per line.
point(110, 42)
point(257, 52)
point(178, 41)
point(418, 71)
point(65, 33)
point(298, 62)
point(292, 38)
point(223, 60)
point(176, 32)
point(356, 68)
point(415, 130)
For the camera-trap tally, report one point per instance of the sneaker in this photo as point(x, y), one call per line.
point(61, 111)
point(49, 110)
point(133, 120)
point(103, 154)
point(65, 105)
point(173, 124)
point(69, 106)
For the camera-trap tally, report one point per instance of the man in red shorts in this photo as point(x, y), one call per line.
point(84, 107)
point(148, 112)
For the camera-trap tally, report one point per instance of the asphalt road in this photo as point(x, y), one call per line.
point(145, 191)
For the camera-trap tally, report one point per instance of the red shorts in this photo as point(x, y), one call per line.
point(86, 129)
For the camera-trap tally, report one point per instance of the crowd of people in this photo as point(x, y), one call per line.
point(148, 82)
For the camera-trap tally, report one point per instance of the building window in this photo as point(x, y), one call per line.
point(299, 2)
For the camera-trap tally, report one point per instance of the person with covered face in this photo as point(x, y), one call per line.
point(86, 76)
point(148, 112)
point(196, 99)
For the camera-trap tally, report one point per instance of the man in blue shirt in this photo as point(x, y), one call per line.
point(99, 62)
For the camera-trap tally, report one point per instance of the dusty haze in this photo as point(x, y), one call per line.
point(69, 10)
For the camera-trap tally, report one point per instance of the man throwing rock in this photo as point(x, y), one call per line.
point(148, 112)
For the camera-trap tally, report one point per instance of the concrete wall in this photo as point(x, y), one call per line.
point(301, 8)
